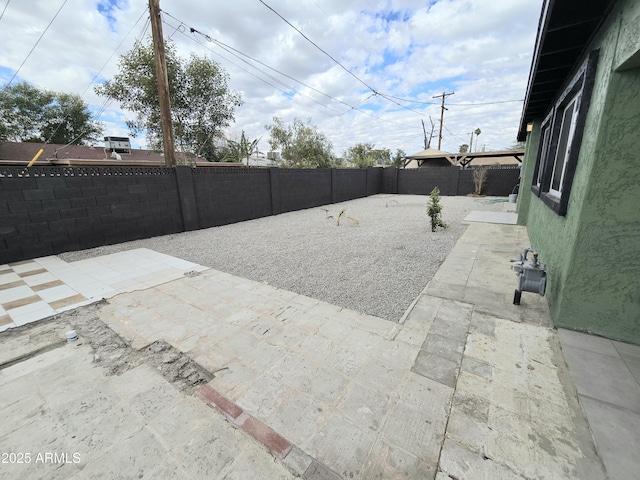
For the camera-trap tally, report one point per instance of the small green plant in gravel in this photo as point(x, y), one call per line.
point(339, 217)
point(434, 210)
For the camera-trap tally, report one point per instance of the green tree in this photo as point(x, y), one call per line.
point(301, 145)
point(202, 105)
point(516, 146)
point(398, 158)
point(30, 114)
point(364, 155)
point(239, 151)
point(464, 148)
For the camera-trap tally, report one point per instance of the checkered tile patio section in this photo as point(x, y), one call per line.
point(34, 289)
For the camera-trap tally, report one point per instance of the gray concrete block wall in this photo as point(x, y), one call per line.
point(422, 181)
point(465, 182)
point(348, 184)
point(389, 181)
point(230, 195)
point(500, 182)
point(452, 181)
point(58, 209)
point(302, 188)
point(374, 180)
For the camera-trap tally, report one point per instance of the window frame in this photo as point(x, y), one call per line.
point(564, 154)
point(578, 90)
point(543, 149)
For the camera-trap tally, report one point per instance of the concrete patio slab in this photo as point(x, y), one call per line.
point(127, 426)
point(466, 386)
point(334, 383)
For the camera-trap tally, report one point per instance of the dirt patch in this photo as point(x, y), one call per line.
point(111, 352)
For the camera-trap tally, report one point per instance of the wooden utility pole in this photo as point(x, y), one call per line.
point(444, 95)
point(163, 84)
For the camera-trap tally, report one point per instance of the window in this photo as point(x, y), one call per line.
point(567, 128)
point(560, 139)
point(544, 147)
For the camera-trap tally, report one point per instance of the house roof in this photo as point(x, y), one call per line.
point(25, 151)
point(565, 30)
point(21, 153)
point(428, 153)
point(464, 159)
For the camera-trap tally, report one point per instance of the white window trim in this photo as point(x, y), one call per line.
point(564, 156)
point(546, 136)
point(577, 92)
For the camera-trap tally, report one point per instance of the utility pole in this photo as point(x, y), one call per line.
point(163, 84)
point(444, 95)
point(471, 143)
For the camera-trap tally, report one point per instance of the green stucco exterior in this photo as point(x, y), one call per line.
point(593, 252)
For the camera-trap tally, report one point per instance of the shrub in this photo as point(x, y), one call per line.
point(434, 210)
point(480, 175)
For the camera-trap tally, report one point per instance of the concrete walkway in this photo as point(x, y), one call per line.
point(468, 386)
point(607, 376)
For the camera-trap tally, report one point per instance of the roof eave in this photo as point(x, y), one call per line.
point(564, 55)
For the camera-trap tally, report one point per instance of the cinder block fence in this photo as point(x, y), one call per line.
point(48, 210)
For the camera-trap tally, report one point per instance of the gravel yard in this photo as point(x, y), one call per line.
point(377, 266)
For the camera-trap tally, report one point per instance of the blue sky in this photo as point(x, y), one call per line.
point(107, 9)
point(410, 49)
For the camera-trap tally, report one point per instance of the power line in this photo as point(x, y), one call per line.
point(323, 51)
point(289, 87)
point(454, 135)
point(227, 47)
point(107, 102)
point(4, 9)
point(484, 103)
point(34, 47)
point(117, 48)
point(387, 97)
point(231, 50)
point(453, 104)
point(412, 101)
point(340, 64)
point(183, 26)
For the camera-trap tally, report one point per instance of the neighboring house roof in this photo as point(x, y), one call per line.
point(492, 160)
point(502, 157)
point(566, 28)
point(428, 153)
point(428, 157)
point(23, 152)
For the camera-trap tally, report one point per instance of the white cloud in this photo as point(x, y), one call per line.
point(410, 49)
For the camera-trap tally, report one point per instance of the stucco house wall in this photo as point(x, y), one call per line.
point(593, 250)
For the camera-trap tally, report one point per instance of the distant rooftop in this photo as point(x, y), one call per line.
point(21, 153)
